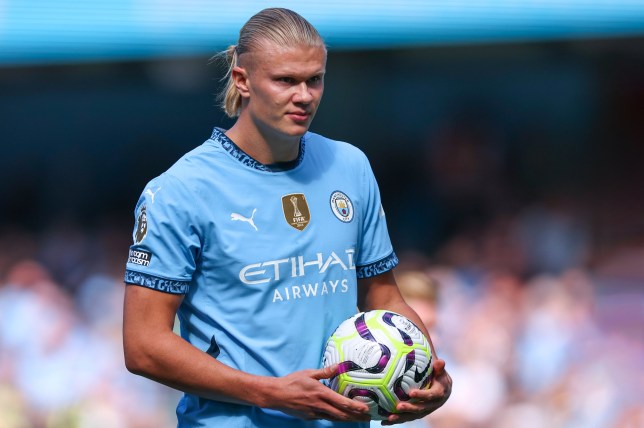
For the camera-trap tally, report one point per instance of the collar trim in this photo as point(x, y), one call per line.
point(236, 152)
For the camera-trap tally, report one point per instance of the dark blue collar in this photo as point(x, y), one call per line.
point(243, 157)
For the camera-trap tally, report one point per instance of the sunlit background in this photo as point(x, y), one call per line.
point(507, 138)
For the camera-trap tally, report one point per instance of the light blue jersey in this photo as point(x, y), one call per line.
point(268, 259)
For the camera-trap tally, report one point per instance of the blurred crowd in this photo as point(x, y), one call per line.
point(530, 339)
point(61, 358)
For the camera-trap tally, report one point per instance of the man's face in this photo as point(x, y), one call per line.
point(285, 86)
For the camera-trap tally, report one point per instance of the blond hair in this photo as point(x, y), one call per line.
point(280, 26)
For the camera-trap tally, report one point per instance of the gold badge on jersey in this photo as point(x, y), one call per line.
point(296, 210)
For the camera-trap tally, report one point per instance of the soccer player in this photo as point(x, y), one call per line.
point(262, 240)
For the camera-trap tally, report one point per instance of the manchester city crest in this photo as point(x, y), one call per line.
point(341, 206)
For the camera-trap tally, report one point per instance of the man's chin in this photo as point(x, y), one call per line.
point(289, 130)
point(297, 131)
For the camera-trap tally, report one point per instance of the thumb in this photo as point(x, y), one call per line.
point(438, 366)
point(325, 372)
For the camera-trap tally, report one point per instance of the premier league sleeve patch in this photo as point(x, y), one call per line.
point(341, 206)
point(141, 225)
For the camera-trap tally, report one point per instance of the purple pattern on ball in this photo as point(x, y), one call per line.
point(399, 391)
point(383, 361)
point(410, 360)
point(363, 330)
point(387, 318)
point(361, 392)
point(347, 366)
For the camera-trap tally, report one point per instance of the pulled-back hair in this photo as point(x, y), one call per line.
point(280, 26)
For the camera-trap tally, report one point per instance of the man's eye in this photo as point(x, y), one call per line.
point(285, 79)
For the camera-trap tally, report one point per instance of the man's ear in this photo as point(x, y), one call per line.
point(240, 79)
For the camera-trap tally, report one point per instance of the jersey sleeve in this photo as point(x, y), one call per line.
point(375, 254)
point(166, 238)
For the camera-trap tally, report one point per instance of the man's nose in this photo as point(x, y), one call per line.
point(303, 93)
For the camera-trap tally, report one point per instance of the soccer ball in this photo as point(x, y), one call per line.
point(381, 356)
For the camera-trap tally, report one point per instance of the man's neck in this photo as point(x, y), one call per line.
point(264, 149)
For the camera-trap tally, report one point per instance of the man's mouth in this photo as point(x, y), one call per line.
point(299, 116)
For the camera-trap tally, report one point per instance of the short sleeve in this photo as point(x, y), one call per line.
point(376, 254)
point(166, 238)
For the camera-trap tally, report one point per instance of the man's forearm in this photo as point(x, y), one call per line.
point(170, 360)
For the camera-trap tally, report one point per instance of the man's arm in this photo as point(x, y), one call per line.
point(153, 350)
point(381, 292)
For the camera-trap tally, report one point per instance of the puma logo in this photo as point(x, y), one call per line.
point(151, 193)
point(249, 220)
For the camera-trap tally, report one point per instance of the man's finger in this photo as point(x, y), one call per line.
point(326, 372)
point(438, 366)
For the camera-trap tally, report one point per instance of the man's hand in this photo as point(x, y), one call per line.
point(301, 394)
point(424, 401)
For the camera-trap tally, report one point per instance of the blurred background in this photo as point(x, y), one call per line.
point(507, 138)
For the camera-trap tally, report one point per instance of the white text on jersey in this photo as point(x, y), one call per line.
point(309, 290)
point(294, 267)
